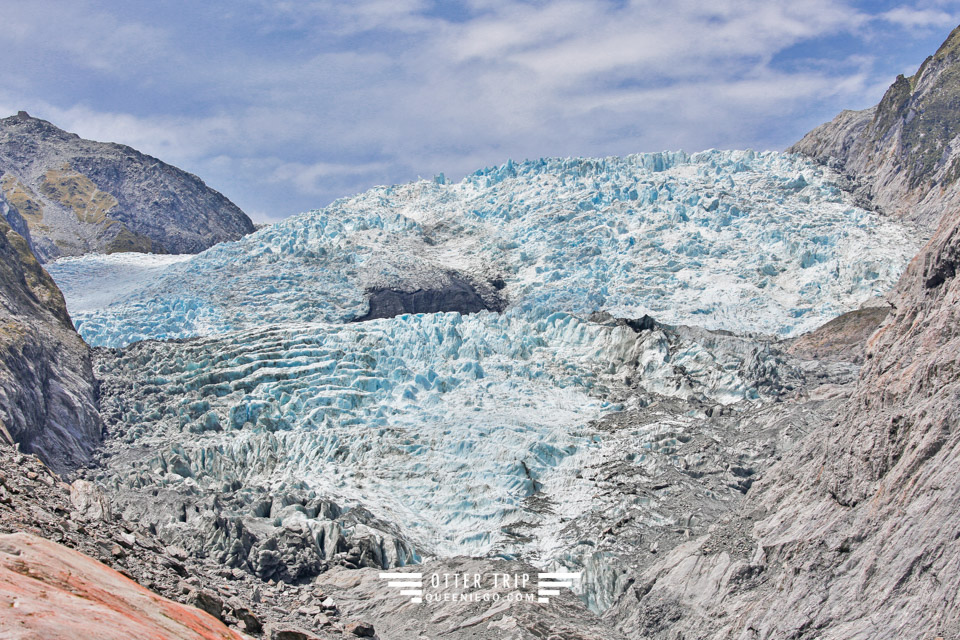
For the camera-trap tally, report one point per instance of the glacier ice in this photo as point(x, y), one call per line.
point(441, 423)
point(95, 281)
point(742, 241)
point(459, 429)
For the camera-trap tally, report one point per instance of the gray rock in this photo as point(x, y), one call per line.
point(249, 622)
point(89, 501)
point(48, 396)
point(359, 629)
point(453, 292)
point(902, 156)
point(289, 633)
point(78, 196)
point(208, 601)
point(15, 220)
point(855, 529)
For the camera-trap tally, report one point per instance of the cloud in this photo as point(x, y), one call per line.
point(314, 178)
point(287, 105)
point(572, 39)
point(346, 19)
point(88, 37)
point(919, 18)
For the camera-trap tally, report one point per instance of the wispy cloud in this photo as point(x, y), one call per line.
point(85, 36)
point(286, 105)
point(314, 178)
point(919, 18)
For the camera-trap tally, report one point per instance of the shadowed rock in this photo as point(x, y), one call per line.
point(455, 293)
point(48, 396)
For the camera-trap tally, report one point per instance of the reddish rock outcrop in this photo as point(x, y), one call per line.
point(48, 591)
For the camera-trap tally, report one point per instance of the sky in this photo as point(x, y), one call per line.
point(285, 106)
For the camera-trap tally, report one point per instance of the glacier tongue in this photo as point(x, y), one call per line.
point(521, 433)
point(441, 423)
point(735, 240)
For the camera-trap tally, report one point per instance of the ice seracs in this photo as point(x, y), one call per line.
point(741, 241)
point(441, 423)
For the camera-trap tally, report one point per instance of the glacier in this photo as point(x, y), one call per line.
point(648, 303)
point(740, 241)
point(95, 281)
point(444, 423)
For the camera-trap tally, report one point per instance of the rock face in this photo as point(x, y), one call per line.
point(903, 155)
point(454, 293)
point(856, 528)
point(841, 339)
point(48, 398)
point(48, 591)
point(78, 196)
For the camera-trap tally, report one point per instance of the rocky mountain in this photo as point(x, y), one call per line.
point(48, 395)
point(855, 533)
point(69, 196)
point(903, 155)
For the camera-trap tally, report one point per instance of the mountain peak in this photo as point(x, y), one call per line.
point(950, 46)
point(71, 196)
point(903, 156)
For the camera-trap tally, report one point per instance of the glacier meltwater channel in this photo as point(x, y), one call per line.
point(446, 424)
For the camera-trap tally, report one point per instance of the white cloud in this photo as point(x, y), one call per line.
point(309, 178)
point(81, 35)
point(919, 18)
point(347, 18)
point(298, 102)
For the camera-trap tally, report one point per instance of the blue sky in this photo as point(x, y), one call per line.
point(285, 106)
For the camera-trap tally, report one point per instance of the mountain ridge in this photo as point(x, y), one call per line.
point(855, 528)
point(902, 156)
point(76, 196)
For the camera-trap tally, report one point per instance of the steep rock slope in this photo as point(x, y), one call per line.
point(47, 390)
point(78, 196)
point(856, 532)
point(903, 155)
point(841, 339)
